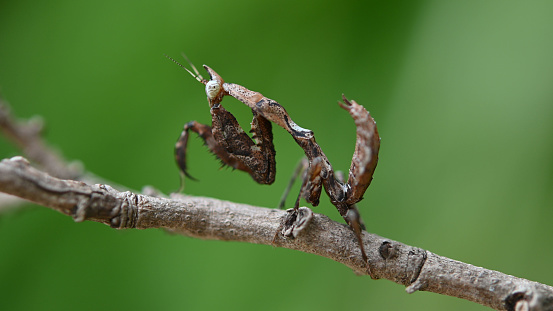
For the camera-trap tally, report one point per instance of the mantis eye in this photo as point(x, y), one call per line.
point(212, 88)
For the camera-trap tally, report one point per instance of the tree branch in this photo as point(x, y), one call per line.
point(208, 218)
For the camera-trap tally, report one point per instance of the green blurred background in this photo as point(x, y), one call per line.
point(461, 92)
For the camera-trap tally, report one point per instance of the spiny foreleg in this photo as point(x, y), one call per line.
point(232, 146)
point(205, 132)
point(257, 156)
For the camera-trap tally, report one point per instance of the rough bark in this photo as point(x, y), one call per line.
point(207, 218)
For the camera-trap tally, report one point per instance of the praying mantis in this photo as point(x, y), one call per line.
point(255, 155)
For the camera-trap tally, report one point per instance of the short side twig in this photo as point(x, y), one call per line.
point(26, 134)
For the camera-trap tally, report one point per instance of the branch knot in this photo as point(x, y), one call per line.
point(126, 215)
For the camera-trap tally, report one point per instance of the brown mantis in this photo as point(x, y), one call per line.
point(256, 155)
